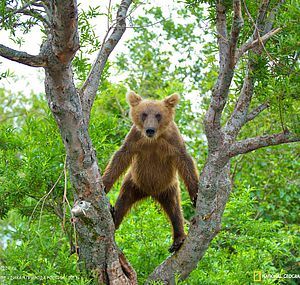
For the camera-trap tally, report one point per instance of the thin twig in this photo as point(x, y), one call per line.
point(66, 201)
point(251, 44)
point(108, 14)
point(280, 112)
point(21, 9)
point(28, 11)
point(258, 34)
point(45, 197)
point(235, 169)
point(65, 194)
point(149, 25)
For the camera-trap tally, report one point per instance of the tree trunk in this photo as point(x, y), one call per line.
point(97, 248)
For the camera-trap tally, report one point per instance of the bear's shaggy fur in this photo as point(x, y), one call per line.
point(155, 152)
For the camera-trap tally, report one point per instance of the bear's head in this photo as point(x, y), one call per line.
point(152, 117)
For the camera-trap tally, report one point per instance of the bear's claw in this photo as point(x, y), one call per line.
point(112, 211)
point(176, 245)
point(194, 201)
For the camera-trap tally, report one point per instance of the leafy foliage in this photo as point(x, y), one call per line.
point(261, 220)
point(19, 17)
point(258, 228)
point(39, 255)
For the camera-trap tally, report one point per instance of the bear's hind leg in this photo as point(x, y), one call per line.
point(170, 201)
point(129, 195)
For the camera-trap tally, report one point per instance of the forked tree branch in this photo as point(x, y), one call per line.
point(98, 251)
point(91, 84)
point(262, 12)
point(254, 43)
point(211, 123)
point(263, 25)
point(271, 18)
point(227, 50)
point(239, 115)
point(214, 182)
point(251, 144)
point(22, 57)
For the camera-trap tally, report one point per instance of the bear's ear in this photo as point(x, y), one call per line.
point(133, 99)
point(172, 100)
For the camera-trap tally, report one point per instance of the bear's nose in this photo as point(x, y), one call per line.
point(150, 132)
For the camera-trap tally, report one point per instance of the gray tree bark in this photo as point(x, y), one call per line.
point(71, 109)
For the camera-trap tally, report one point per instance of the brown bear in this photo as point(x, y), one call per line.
point(155, 152)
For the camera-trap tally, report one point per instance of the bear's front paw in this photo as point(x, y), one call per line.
point(176, 244)
point(194, 201)
point(112, 211)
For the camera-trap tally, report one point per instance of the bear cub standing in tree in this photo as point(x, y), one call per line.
point(155, 152)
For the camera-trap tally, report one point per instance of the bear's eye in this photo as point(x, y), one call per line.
point(144, 116)
point(158, 117)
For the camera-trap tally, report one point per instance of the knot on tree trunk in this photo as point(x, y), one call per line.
point(80, 208)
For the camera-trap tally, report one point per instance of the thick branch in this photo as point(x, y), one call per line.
point(271, 18)
point(262, 12)
point(213, 114)
point(255, 112)
point(238, 116)
point(222, 33)
point(64, 21)
point(90, 86)
point(237, 24)
point(251, 144)
point(22, 57)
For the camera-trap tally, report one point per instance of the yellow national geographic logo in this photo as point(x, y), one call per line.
point(257, 276)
